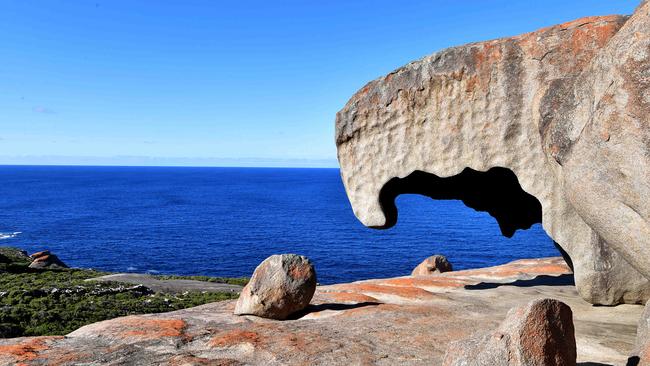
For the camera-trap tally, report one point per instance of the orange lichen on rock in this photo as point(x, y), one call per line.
point(584, 37)
point(234, 337)
point(148, 328)
point(401, 291)
point(429, 281)
point(485, 56)
point(549, 267)
point(486, 53)
point(349, 297)
point(25, 350)
point(60, 357)
point(300, 271)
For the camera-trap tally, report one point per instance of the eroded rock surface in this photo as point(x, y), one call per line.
point(280, 286)
point(550, 126)
point(432, 265)
point(394, 321)
point(539, 333)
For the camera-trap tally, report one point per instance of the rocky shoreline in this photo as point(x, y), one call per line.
point(402, 320)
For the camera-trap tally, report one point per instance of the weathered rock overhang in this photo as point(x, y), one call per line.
point(511, 104)
point(496, 191)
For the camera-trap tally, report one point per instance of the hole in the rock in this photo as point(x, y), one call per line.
point(496, 191)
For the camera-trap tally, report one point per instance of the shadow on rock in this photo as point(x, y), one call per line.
point(562, 280)
point(330, 306)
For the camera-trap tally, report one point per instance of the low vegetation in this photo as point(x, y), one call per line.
point(56, 302)
point(241, 281)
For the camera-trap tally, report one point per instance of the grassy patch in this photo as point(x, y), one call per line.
point(56, 302)
point(241, 281)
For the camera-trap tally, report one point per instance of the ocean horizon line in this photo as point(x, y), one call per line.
point(144, 161)
point(167, 166)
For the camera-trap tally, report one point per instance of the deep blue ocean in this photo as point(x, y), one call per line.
point(224, 221)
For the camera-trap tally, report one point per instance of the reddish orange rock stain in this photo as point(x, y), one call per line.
point(472, 84)
point(363, 91)
point(581, 39)
point(150, 328)
point(349, 297)
point(235, 337)
point(591, 20)
point(551, 269)
point(516, 269)
point(66, 357)
point(371, 310)
point(405, 292)
point(300, 271)
point(26, 350)
point(486, 52)
point(432, 281)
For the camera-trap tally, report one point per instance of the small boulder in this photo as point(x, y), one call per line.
point(45, 259)
point(434, 264)
point(280, 286)
point(540, 333)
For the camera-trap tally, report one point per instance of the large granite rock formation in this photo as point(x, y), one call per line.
point(550, 126)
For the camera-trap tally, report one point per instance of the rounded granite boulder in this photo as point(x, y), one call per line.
point(432, 265)
point(280, 286)
point(539, 333)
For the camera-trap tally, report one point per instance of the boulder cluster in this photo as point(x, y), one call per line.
point(540, 333)
point(283, 285)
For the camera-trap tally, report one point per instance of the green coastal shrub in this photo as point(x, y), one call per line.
point(241, 281)
point(56, 302)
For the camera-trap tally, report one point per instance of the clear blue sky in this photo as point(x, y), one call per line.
point(219, 82)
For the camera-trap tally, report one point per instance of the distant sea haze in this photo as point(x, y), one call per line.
point(225, 221)
point(167, 161)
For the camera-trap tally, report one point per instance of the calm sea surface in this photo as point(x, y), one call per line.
point(224, 221)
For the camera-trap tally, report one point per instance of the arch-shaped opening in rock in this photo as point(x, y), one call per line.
point(496, 191)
